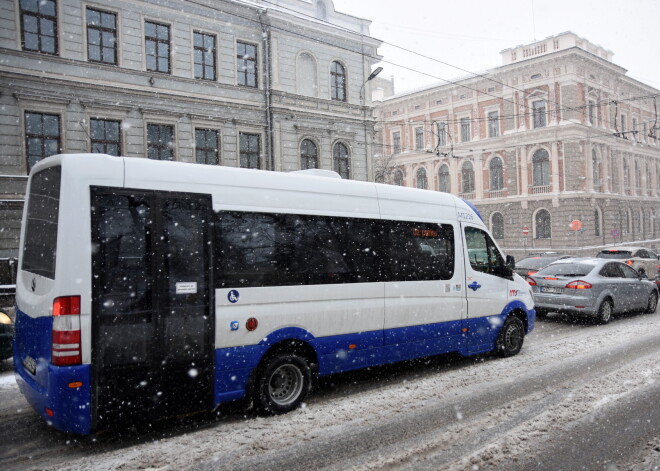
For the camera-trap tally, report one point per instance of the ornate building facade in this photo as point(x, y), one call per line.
point(557, 133)
point(277, 85)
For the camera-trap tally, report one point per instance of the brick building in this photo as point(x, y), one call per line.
point(557, 133)
point(277, 85)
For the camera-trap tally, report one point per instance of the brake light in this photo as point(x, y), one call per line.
point(629, 263)
point(66, 349)
point(532, 272)
point(579, 284)
point(531, 281)
point(551, 278)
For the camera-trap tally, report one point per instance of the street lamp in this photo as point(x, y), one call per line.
point(372, 75)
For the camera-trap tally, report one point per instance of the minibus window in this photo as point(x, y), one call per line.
point(43, 209)
point(421, 251)
point(482, 252)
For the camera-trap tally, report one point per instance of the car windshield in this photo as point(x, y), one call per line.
point(566, 269)
point(618, 254)
point(535, 262)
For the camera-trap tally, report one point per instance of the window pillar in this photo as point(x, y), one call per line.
point(554, 167)
point(523, 154)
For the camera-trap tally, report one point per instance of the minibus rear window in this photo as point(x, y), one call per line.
point(43, 207)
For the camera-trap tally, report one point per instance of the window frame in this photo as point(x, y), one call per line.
point(42, 137)
point(160, 146)
point(158, 44)
point(496, 173)
point(247, 66)
point(40, 16)
point(539, 114)
point(466, 132)
point(467, 177)
point(215, 152)
point(203, 51)
point(248, 155)
point(309, 154)
point(493, 123)
point(340, 162)
point(540, 168)
point(102, 29)
point(105, 142)
point(338, 82)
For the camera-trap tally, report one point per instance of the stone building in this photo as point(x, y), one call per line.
point(277, 85)
point(555, 134)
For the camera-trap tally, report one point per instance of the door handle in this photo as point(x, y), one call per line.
point(474, 286)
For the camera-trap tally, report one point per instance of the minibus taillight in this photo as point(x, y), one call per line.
point(66, 331)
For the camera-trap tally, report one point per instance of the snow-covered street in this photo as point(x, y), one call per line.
point(578, 396)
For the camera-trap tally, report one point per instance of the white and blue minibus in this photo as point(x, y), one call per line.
point(155, 289)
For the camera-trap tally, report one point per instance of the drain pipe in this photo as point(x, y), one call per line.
point(270, 145)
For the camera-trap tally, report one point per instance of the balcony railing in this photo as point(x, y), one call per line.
point(535, 190)
point(467, 196)
point(495, 193)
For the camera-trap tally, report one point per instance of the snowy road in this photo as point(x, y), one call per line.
point(577, 397)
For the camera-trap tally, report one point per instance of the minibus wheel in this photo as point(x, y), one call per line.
point(511, 337)
point(282, 384)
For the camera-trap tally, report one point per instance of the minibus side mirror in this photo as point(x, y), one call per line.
point(510, 262)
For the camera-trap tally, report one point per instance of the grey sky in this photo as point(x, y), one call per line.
point(471, 34)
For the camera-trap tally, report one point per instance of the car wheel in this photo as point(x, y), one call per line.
point(511, 337)
point(653, 302)
point(282, 384)
point(604, 312)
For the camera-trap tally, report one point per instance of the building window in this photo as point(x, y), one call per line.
point(465, 129)
point(338, 81)
point(539, 114)
point(309, 155)
point(626, 176)
point(444, 179)
point(250, 150)
point(205, 53)
point(597, 222)
point(496, 174)
point(42, 137)
point(160, 141)
point(39, 26)
point(101, 36)
point(595, 163)
point(105, 136)
point(592, 112)
point(493, 124)
point(623, 123)
point(157, 47)
point(634, 128)
point(442, 134)
point(543, 224)
point(419, 138)
point(541, 168)
point(246, 64)
point(396, 142)
point(422, 181)
point(341, 160)
point(497, 226)
point(207, 146)
point(467, 177)
point(398, 177)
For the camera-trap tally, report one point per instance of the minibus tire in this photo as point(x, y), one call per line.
point(511, 337)
point(283, 382)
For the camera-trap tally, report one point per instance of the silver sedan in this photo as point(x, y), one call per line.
point(592, 287)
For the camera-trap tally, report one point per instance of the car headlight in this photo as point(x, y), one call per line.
point(5, 319)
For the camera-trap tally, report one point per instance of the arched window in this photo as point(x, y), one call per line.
point(444, 178)
point(340, 159)
point(337, 82)
point(467, 177)
point(543, 225)
point(497, 225)
point(422, 181)
point(597, 222)
point(496, 174)
point(308, 155)
point(398, 177)
point(306, 75)
point(595, 163)
point(541, 167)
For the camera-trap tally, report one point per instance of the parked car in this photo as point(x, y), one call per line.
point(6, 336)
point(533, 263)
point(592, 287)
point(643, 260)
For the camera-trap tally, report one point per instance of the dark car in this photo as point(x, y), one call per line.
point(530, 265)
point(592, 287)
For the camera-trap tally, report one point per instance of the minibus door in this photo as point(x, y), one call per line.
point(486, 287)
point(152, 346)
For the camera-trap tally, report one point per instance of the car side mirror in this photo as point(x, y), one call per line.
point(643, 276)
point(510, 262)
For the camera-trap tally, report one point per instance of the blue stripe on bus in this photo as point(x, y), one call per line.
point(49, 387)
